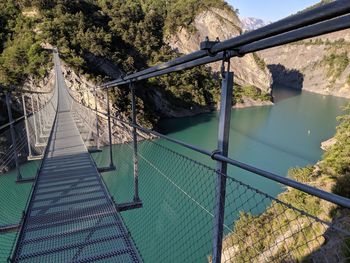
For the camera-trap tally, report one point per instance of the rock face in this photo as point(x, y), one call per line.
point(328, 144)
point(308, 64)
point(102, 64)
point(223, 24)
point(44, 85)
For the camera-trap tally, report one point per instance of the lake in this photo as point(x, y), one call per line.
point(175, 224)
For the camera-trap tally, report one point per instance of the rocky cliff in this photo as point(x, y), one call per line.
point(223, 24)
point(320, 65)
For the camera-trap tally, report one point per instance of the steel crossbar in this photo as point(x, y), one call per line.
point(67, 233)
point(89, 214)
point(77, 195)
point(67, 247)
point(53, 205)
point(107, 256)
point(63, 190)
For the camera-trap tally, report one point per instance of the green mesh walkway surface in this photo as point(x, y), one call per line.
point(71, 217)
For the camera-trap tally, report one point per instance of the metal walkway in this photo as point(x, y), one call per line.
point(71, 217)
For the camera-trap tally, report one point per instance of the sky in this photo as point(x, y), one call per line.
point(270, 10)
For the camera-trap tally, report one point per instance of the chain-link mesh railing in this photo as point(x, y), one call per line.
point(86, 123)
point(31, 134)
point(175, 223)
point(91, 126)
point(180, 193)
point(269, 229)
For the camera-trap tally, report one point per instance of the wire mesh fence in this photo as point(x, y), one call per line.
point(31, 135)
point(269, 229)
point(13, 196)
point(86, 123)
point(91, 126)
point(175, 223)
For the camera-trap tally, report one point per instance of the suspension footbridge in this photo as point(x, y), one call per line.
point(71, 214)
point(65, 212)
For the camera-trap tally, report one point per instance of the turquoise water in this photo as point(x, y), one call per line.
point(13, 198)
point(274, 138)
point(175, 223)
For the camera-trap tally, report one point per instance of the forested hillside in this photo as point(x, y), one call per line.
point(21, 54)
point(126, 34)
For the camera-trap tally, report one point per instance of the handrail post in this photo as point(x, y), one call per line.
point(111, 165)
point(13, 136)
point(97, 128)
point(34, 119)
point(41, 124)
point(134, 142)
point(27, 126)
point(221, 166)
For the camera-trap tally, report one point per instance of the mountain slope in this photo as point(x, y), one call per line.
point(102, 40)
point(249, 71)
point(320, 65)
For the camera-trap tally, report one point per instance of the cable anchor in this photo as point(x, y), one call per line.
point(207, 45)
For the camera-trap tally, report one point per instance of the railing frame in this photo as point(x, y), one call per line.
point(27, 127)
point(35, 121)
point(325, 19)
point(97, 126)
point(330, 197)
point(134, 144)
point(111, 164)
point(221, 166)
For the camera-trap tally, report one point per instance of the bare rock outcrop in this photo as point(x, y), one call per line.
point(328, 143)
point(223, 24)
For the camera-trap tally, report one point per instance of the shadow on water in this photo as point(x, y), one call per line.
point(167, 126)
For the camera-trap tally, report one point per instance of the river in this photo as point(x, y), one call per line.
point(275, 138)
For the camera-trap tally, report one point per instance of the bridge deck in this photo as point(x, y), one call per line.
point(71, 217)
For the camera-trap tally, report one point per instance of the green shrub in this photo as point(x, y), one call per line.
point(259, 61)
point(336, 64)
point(302, 174)
point(249, 91)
